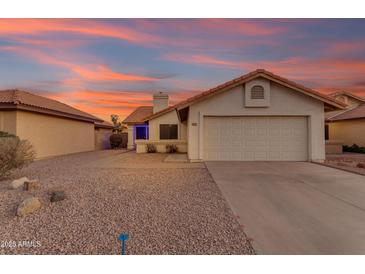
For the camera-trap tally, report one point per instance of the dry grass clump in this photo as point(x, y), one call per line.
point(14, 153)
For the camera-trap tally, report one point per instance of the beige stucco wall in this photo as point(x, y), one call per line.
point(168, 118)
point(283, 102)
point(348, 131)
point(53, 136)
point(102, 136)
point(141, 145)
point(8, 121)
point(333, 147)
point(130, 143)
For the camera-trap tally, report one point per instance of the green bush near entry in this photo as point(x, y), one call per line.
point(171, 148)
point(354, 148)
point(151, 148)
point(115, 140)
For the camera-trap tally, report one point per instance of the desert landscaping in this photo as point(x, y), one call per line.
point(352, 162)
point(166, 208)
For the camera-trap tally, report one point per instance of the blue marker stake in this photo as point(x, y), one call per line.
point(123, 237)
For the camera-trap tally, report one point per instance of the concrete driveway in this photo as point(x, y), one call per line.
point(295, 207)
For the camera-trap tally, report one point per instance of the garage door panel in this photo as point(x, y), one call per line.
point(256, 138)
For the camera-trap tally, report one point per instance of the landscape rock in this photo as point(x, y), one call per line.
point(57, 196)
point(341, 164)
point(32, 185)
point(360, 165)
point(19, 182)
point(28, 206)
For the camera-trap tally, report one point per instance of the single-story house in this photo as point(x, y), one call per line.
point(52, 127)
point(347, 126)
point(259, 116)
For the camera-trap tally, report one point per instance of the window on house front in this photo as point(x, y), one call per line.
point(168, 131)
point(257, 92)
point(326, 132)
point(141, 132)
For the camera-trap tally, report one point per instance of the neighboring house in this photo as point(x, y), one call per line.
point(347, 126)
point(256, 117)
point(52, 127)
point(103, 130)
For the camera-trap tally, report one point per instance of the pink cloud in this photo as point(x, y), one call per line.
point(97, 72)
point(77, 26)
point(103, 103)
point(198, 59)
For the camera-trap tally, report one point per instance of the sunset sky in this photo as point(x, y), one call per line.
point(111, 66)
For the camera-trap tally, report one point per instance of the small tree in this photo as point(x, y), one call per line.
point(14, 153)
point(117, 125)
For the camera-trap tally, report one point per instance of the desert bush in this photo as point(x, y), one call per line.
point(115, 140)
point(5, 134)
point(354, 148)
point(151, 148)
point(171, 148)
point(14, 153)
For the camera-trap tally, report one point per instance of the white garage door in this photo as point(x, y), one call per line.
point(255, 138)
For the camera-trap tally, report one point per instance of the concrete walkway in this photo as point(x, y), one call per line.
point(145, 161)
point(176, 158)
point(295, 207)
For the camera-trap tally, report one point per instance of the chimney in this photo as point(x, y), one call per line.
point(160, 101)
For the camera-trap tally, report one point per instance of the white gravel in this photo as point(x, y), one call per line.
point(165, 210)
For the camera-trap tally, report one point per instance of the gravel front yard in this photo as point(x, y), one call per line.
point(353, 162)
point(168, 209)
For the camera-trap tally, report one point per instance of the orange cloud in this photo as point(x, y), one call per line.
point(100, 73)
point(198, 59)
point(326, 75)
point(141, 32)
point(104, 103)
point(77, 26)
point(294, 67)
point(103, 73)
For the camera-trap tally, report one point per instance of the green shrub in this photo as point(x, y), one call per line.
point(5, 134)
point(115, 140)
point(151, 148)
point(14, 153)
point(171, 148)
point(354, 148)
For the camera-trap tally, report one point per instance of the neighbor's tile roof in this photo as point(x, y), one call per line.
point(355, 113)
point(138, 115)
point(19, 99)
point(244, 78)
point(349, 94)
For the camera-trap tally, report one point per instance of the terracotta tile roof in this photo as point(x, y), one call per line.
point(104, 124)
point(19, 99)
point(138, 115)
point(349, 94)
point(245, 78)
point(355, 113)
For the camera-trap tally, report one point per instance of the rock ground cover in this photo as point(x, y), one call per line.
point(353, 162)
point(173, 210)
